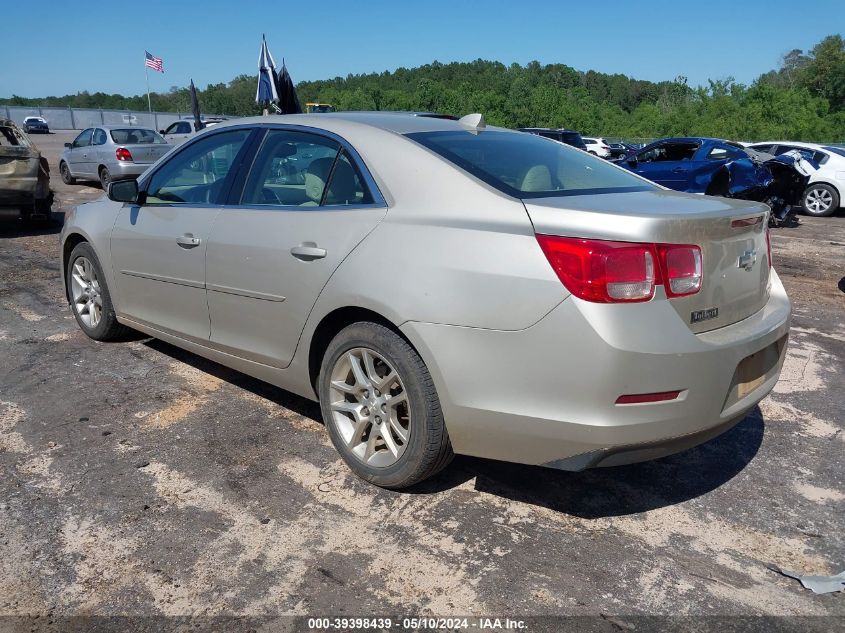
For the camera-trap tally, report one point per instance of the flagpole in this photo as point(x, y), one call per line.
point(147, 73)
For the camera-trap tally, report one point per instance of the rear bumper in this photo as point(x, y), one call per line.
point(124, 170)
point(546, 395)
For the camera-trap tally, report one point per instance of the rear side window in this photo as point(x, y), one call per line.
point(301, 169)
point(99, 137)
point(528, 166)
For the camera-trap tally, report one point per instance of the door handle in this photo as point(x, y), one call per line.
point(308, 251)
point(679, 170)
point(188, 241)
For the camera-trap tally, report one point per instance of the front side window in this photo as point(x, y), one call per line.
point(528, 166)
point(668, 152)
point(197, 173)
point(302, 169)
point(84, 138)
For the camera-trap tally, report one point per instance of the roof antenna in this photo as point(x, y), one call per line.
point(474, 122)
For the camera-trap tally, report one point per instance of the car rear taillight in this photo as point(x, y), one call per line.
point(681, 266)
point(603, 271)
point(123, 154)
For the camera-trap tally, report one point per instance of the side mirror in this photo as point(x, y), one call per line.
point(68, 145)
point(123, 191)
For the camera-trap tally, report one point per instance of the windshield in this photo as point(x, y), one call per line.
point(529, 166)
point(835, 150)
point(136, 136)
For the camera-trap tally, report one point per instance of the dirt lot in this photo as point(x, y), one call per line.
point(139, 480)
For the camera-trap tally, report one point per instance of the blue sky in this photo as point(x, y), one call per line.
point(75, 46)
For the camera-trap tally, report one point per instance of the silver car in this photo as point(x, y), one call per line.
point(111, 153)
point(442, 286)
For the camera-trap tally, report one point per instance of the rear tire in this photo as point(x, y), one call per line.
point(387, 424)
point(820, 200)
point(90, 299)
point(105, 178)
point(65, 172)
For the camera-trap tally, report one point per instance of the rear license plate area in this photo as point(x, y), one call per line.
point(754, 370)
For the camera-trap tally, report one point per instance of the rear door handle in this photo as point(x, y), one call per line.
point(188, 241)
point(679, 170)
point(308, 251)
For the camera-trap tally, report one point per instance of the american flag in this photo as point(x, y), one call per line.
point(151, 61)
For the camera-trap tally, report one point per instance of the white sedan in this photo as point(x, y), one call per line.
point(824, 193)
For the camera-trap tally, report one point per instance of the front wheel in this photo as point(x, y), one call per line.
point(820, 200)
point(89, 296)
point(381, 408)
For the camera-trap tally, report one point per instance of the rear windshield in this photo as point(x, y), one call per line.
point(836, 150)
point(135, 136)
point(529, 166)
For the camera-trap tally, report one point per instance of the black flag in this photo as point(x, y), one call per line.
point(288, 101)
point(195, 108)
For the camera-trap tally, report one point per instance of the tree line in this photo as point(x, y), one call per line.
point(803, 99)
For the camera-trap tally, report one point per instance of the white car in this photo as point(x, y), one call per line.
point(825, 192)
point(598, 147)
point(179, 131)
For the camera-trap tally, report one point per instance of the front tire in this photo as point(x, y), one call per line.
point(381, 408)
point(90, 299)
point(820, 200)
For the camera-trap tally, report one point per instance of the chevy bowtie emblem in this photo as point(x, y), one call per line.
point(747, 260)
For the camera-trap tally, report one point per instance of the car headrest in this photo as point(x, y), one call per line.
point(342, 187)
point(537, 178)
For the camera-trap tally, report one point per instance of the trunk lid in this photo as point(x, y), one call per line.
point(732, 235)
point(146, 153)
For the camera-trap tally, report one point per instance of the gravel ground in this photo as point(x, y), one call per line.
point(139, 480)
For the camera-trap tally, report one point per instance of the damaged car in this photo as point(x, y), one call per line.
point(24, 173)
point(723, 168)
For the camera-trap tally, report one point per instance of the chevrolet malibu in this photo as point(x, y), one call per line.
point(442, 287)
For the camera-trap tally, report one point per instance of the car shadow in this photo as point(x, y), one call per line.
point(618, 490)
point(591, 494)
point(274, 394)
point(11, 225)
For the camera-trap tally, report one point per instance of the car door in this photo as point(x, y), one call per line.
point(305, 204)
point(668, 163)
point(159, 245)
point(78, 156)
point(99, 149)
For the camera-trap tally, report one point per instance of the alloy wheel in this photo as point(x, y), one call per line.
point(85, 290)
point(370, 408)
point(818, 200)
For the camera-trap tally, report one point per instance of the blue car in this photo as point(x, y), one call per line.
point(684, 164)
point(723, 168)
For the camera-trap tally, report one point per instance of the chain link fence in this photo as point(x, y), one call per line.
point(81, 118)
